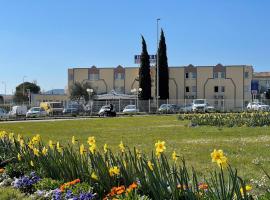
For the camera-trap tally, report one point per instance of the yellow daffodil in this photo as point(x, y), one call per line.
point(248, 188)
point(11, 137)
point(160, 147)
point(30, 145)
point(91, 140)
point(82, 150)
point(122, 147)
point(3, 134)
point(105, 148)
point(114, 171)
point(36, 152)
point(19, 157)
point(21, 141)
point(44, 151)
point(59, 148)
point(92, 148)
point(19, 137)
point(36, 139)
point(138, 153)
point(51, 145)
point(73, 141)
point(32, 163)
point(218, 157)
point(150, 165)
point(94, 176)
point(174, 156)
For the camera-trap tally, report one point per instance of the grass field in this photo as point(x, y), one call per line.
point(245, 147)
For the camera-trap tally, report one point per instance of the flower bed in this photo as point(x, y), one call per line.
point(80, 171)
point(229, 119)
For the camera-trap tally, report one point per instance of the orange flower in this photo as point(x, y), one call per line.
point(133, 185)
point(120, 190)
point(65, 185)
point(203, 186)
point(2, 170)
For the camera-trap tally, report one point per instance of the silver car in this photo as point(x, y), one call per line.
point(36, 112)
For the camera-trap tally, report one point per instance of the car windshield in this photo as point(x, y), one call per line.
point(199, 101)
point(164, 105)
point(131, 107)
point(35, 109)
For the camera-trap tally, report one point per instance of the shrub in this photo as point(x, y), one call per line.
point(47, 184)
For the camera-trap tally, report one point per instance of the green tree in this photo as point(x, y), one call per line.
point(163, 68)
point(144, 73)
point(21, 93)
point(79, 91)
point(267, 94)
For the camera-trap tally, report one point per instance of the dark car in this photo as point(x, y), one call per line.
point(74, 109)
point(168, 108)
point(107, 111)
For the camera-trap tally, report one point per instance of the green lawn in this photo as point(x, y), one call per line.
point(244, 146)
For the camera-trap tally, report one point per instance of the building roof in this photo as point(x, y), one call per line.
point(261, 74)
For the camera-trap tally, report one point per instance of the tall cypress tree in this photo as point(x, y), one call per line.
point(144, 73)
point(163, 68)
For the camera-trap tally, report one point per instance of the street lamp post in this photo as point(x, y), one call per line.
point(90, 91)
point(157, 69)
point(29, 96)
point(137, 92)
point(4, 83)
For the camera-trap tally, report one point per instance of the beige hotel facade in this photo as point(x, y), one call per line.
point(224, 86)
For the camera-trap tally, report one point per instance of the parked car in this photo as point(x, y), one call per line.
point(36, 112)
point(168, 108)
point(3, 114)
point(75, 109)
point(258, 106)
point(17, 111)
point(107, 111)
point(210, 108)
point(52, 108)
point(186, 108)
point(201, 105)
point(130, 109)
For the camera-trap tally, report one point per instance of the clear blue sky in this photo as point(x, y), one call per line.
point(41, 39)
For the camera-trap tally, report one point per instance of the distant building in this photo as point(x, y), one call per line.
point(228, 86)
point(263, 81)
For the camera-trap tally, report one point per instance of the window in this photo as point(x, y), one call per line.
point(215, 75)
point(119, 76)
point(187, 75)
point(194, 88)
point(187, 89)
point(93, 77)
point(222, 88)
point(193, 75)
point(222, 74)
point(216, 103)
point(216, 89)
point(246, 74)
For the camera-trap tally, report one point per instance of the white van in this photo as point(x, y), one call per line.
point(17, 111)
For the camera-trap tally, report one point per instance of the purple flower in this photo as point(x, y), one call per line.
point(69, 194)
point(87, 196)
point(57, 194)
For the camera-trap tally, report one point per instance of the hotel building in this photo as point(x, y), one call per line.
point(223, 86)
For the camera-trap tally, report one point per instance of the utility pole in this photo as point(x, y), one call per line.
point(157, 69)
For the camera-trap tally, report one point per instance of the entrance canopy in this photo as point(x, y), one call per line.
point(115, 95)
